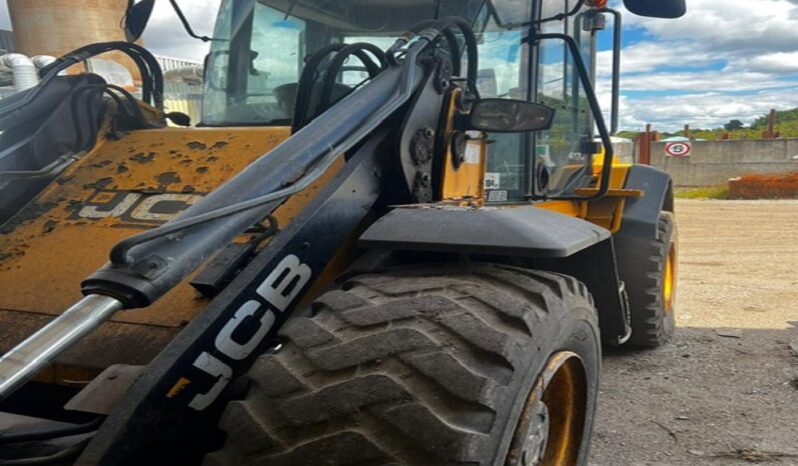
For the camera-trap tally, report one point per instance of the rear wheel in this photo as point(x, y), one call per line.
point(650, 276)
point(476, 365)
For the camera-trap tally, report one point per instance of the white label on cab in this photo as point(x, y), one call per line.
point(493, 180)
point(473, 153)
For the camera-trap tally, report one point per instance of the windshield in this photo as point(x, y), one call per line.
point(261, 46)
point(564, 162)
point(544, 164)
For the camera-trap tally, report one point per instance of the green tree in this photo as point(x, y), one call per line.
point(782, 116)
point(734, 125)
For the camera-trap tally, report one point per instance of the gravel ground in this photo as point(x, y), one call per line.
point(725, 390)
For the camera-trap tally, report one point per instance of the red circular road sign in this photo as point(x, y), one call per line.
point(678, 149)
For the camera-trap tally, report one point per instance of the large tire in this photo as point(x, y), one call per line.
point(416, 366)
point(645, 273)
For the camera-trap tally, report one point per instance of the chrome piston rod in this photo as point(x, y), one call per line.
point(34, 354)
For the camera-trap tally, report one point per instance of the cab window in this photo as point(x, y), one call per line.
point(563, 162)
point(504, 73)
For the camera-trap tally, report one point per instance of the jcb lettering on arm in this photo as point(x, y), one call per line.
point(280, 288)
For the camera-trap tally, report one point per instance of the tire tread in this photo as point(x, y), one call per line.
point(411, 367)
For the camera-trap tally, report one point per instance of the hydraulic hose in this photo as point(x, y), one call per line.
point(432, 29)
point(472, 50)
point(304, 107)
point(337, 63)
point(305, 86)
point(151, 73)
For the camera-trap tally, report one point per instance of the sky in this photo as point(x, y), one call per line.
point(726, 59)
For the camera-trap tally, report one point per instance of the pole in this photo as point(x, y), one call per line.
point(645, 147)
point(772, 124)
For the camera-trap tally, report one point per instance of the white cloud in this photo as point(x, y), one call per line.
point(716, 81)
point(649, 55)
point(165, 34)
point(747, 35)
point(729, 26)
point(778, 62)
point(726, 59)
point(701, 110)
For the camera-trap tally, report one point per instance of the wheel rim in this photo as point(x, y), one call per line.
point(551, 427)
point(669, 280)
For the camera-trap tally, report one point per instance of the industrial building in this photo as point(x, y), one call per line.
point(43, 30)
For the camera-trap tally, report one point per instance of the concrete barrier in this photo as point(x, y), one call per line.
point(624, 149)
point(715, 162)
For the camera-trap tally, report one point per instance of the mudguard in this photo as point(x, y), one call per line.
point(642, 213)
point(542, 239)
point(516, 232)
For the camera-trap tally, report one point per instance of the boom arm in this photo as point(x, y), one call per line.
point(144, 268)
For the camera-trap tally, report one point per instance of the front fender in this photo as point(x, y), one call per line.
point(641, 214)
point(515, 232)
point(553, 241)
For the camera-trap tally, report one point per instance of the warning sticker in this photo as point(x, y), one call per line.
point(498, 196)
point(473, 153)
point(493, 180)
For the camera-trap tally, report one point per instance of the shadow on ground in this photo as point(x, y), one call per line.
point(703, 399)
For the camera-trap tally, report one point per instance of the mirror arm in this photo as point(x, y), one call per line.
point(186, 24)
point(616, 62)
point(527, 24)
point(616, 67)
point(590, 93)
point(560, 16)
point(462, 122)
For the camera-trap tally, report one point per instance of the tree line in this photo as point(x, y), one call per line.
point(786, 127)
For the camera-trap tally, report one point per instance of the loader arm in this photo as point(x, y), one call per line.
point(145, 267)
point(180, 390)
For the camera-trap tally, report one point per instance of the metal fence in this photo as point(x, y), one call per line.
point(178, 96)
point(182, 97)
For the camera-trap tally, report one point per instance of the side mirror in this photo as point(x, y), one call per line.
point(510, 116)
point(657, 8)
point(136, 18)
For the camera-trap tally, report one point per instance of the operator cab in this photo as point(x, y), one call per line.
point(260, 49)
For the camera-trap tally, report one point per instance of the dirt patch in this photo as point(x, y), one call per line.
point(99, 184)
point(143, 158)
point(168, 178)
point(196, 145)
point(29, 214)
point(724, 391)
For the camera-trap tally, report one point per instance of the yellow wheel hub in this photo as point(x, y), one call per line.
point(669, 280)
point(551, 427)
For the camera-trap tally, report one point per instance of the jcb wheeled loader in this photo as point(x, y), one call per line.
point(399, 235)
